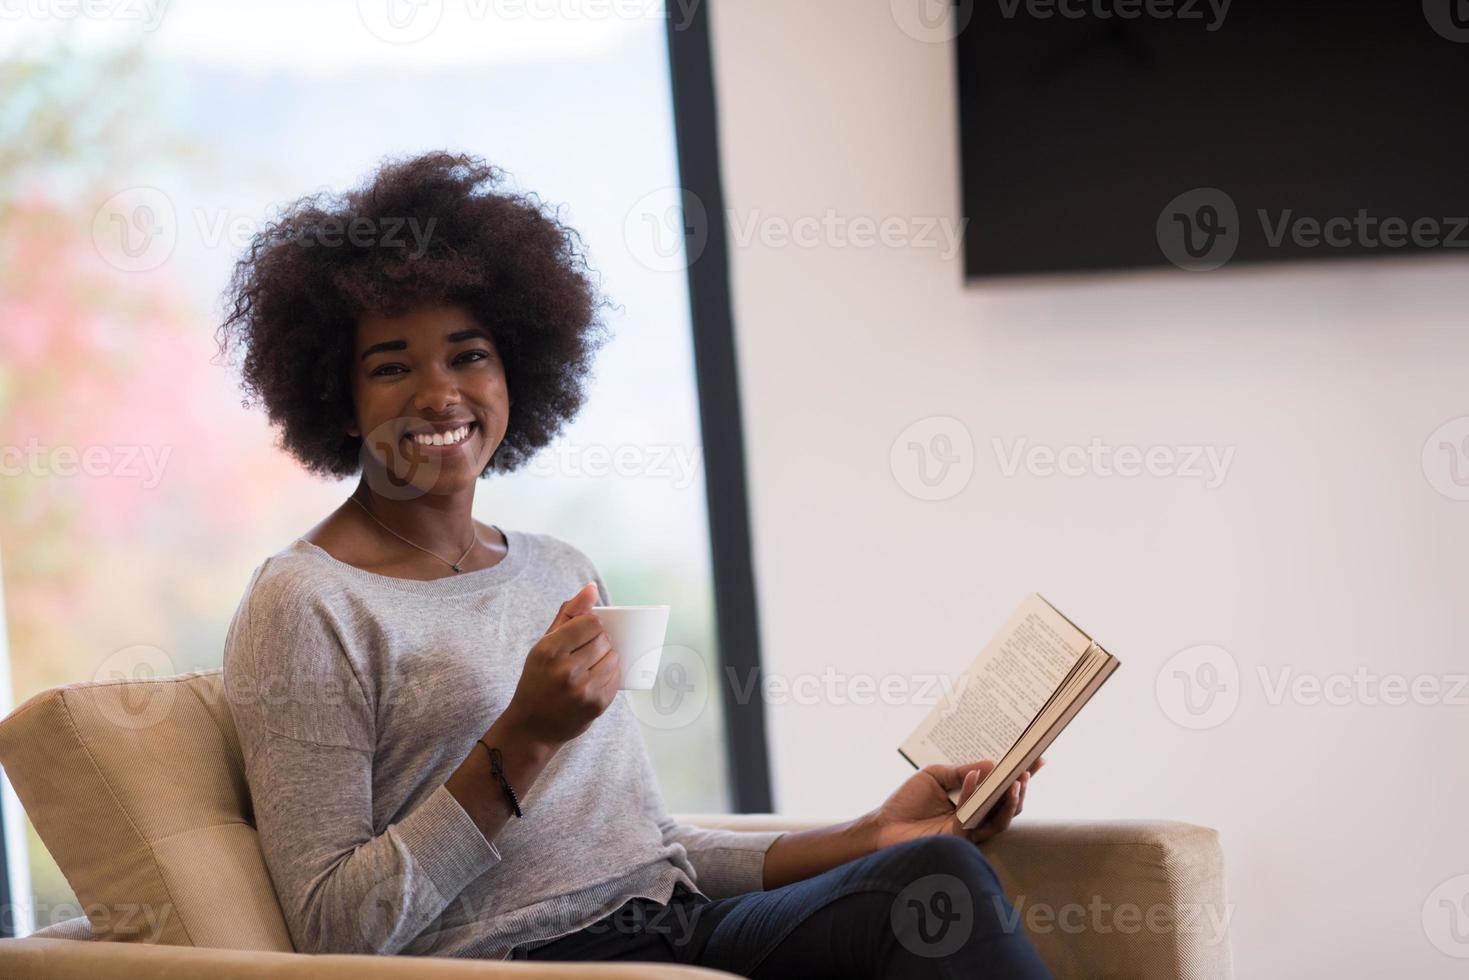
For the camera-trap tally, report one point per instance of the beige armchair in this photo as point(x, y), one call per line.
point(137, 789)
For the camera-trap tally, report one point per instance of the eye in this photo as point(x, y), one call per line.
point(471, 355)
point(387, 370)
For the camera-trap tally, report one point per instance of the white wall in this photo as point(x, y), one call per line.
point(1325, 550)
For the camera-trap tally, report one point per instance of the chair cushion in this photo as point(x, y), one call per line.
point(137, 788)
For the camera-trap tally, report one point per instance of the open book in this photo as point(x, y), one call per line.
point(1028, 683)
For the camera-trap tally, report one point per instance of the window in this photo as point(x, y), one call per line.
point(140, 153)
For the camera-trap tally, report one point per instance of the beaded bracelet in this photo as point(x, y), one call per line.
point(497, 770)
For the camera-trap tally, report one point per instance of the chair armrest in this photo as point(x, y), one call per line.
point(63, 959)
point(1113, 899)
point(1100, 900)
point(1119, 898)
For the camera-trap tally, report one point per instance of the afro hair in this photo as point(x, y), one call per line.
point(430, 230)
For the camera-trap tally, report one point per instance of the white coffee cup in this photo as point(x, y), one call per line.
point(637, 636)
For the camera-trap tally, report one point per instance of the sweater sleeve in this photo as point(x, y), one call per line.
point(308, 737)
point(725, 862)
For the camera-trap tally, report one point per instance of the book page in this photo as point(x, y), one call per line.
point(1012, 680)
point(1093, 670)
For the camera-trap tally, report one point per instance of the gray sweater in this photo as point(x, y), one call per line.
point(357, 694)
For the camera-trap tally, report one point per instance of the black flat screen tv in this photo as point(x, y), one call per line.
point(1117, 134)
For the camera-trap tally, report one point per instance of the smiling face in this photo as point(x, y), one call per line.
point(430, 398)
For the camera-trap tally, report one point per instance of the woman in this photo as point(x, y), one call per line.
point(437, 758)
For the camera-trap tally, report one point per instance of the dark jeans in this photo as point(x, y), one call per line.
point(930, 907)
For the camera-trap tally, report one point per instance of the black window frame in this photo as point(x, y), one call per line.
point(695, 123)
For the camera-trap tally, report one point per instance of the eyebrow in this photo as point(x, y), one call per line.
point(453, 338)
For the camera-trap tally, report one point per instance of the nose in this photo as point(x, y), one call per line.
point(437, 391)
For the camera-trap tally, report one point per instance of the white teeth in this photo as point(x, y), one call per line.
point(442, 438)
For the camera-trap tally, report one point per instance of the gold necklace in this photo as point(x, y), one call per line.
point(452, 564)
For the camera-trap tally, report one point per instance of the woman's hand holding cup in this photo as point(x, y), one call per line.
point(570, 677)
